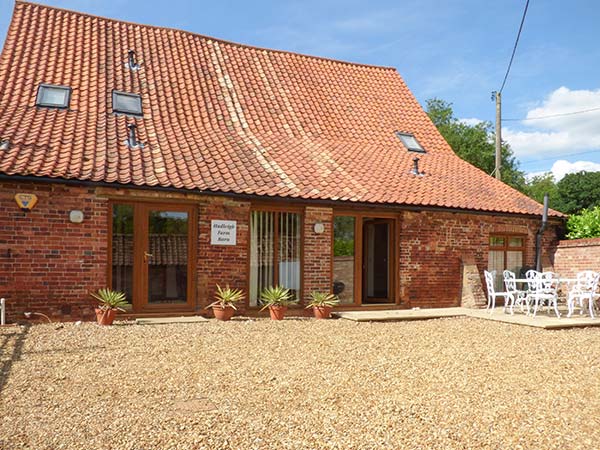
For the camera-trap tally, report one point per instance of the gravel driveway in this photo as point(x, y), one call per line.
point(300, 383)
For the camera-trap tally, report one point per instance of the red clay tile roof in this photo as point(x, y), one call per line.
point(222, 117)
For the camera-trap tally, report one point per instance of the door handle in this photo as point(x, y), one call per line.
point(147, 256)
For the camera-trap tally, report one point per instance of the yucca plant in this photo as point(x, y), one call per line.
point(320, 299)
point(276, 296)
point(227, 297)
point(110, 299)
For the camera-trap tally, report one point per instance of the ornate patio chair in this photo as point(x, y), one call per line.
point(492, 294)
point(518, 297)
point(584, 289)
point(545, 290)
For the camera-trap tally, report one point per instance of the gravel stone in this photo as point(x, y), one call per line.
point(455, 383)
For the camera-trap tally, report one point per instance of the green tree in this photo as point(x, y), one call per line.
point(539, 185)
point(474, 143)
point(585, 224)
point(578, 191)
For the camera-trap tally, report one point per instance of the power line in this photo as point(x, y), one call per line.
point(515, 47)
point(531, 161)
point(553, 115)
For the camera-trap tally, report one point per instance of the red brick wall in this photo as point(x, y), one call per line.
point(576, 255)
point(432, 245)
point(47, 263)
point(222, 264)
point(317, 251)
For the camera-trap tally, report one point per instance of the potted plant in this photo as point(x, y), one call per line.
point(223, 307)
point(277, 299)
point(110, 302)
point(322, 303)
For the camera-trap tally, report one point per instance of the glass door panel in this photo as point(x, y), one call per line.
point(289, 252)
point(122, 249)
point(343, 258)
point(376, 261)
point(262, 263)
point(166, 257)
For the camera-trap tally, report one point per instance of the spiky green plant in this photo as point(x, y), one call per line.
point(320, 299)
point(226, 297)
point(276, 296)
point(110, 299)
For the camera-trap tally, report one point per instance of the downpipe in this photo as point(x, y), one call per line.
point(539, 235)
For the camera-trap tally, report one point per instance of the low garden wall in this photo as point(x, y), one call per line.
point(575, 255)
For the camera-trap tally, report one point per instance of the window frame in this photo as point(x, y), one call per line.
point(401, 135)
point(276, 210)
point(38, 97)
point(115, 110)
point(507, 248)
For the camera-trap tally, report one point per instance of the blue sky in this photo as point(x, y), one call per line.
point(455, 50)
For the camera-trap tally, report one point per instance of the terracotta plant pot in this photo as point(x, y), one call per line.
point(277, 312)
point(223, 313)
point(105, 316)
point(322, 312)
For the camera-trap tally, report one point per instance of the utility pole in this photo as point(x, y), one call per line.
point(498, 134)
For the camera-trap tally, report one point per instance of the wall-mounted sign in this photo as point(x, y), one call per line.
point(223, 232)
point(26, 201)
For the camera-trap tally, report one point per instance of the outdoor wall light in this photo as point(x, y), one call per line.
point(76, 216)
point(319, 228)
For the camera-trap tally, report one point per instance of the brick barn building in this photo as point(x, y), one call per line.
point(164, 162)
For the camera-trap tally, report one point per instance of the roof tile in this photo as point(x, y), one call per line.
point(223, 117)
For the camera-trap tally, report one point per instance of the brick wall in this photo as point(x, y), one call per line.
point(47, 263)
point(317, 250)
point(222, 264)
point(433, 247)
point(576, 255)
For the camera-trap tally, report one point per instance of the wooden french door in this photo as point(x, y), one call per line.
point(153, 254)
point(377, 237)
point(364, 262)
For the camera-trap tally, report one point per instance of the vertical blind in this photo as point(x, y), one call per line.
point(272, 262)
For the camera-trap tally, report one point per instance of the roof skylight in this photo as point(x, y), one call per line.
point(127, 103)
point(410, 142)
point(53, 96)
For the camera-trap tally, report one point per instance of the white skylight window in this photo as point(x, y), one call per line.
point(127, 103)
point(52, 96)
point(410, 142)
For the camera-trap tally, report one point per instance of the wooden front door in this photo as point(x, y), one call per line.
point(152, 255)
point(377, 259)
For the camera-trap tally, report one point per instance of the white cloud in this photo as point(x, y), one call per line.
point(559, 135)
point(561, 167)
point(471, 121)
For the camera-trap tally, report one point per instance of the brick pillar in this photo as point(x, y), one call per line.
point(317, 250)
point(472, 294)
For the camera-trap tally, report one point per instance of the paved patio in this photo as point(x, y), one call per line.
point(542, 320)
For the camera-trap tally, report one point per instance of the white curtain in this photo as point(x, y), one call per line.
point(289, 252)
point(261, 253)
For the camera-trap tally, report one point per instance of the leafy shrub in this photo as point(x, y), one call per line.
point(343, 247)
point(586, 224)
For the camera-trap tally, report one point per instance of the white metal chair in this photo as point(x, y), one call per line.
point(517, 296)
point(584, 289)
point(545, 290)
point(492, 294)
